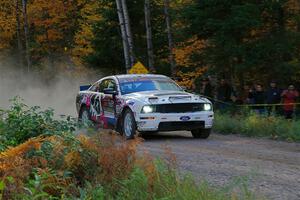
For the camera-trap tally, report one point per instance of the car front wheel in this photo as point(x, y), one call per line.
point(201, 133)
point(128, 125)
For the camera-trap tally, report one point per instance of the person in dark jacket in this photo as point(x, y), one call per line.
point(245, 95)
point(273, 96)
point(259, 98)
point(206, 88)
point(224, 92)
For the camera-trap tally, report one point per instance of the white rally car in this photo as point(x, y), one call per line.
point(144, 103)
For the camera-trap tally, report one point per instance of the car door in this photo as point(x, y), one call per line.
point(108, 103)
point(95, 100)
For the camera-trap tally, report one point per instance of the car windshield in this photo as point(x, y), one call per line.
point(132, 86)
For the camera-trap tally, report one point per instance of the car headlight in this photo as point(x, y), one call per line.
point(207, 107)
point(148, 109)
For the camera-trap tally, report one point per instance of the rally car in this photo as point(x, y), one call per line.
point(144, 103)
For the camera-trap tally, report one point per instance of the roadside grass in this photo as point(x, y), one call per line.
point(42, 158)
point(253, 125)
point(99, 167)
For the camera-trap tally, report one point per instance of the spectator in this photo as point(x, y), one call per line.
point(259, 98)
point(289, 97)
point(273, 96)
point(224, 92)
point(245, 96)
point(206, 88)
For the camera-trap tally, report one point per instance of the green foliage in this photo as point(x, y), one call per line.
point(64, 166)
point(34, 189)
point(135, 187)
point(246, 38)
point(253, 125)
point(21, 122)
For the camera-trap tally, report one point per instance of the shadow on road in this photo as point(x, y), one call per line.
point(167, 136)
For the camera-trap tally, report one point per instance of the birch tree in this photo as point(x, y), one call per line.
point(24, 9)
point(128, 31)
point(18, 24)
point(149, 36)
point(170, 37)
point(124, 35)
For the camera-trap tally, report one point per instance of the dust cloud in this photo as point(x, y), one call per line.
point(57, 92)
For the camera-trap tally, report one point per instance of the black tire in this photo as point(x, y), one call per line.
point(201, 133)
point(128, 129)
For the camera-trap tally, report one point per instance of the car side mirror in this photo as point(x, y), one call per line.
point(110, 91)
point(184, 88)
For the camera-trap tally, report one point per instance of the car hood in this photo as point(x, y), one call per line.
point(166, 97)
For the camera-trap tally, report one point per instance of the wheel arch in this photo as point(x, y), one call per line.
point(83, 105)
point(120, 117)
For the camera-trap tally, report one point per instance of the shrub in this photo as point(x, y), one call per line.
point(21, 122)
point(253, 125)
point(66, 159)
point(43, 159)
point(99, 167)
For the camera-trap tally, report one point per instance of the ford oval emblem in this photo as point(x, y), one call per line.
point(185, 118)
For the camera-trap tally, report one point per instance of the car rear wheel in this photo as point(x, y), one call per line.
point(128, 125)
point(84, 117)
point(201, 133)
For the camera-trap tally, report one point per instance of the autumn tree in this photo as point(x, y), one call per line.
point(7, 23)
point(84, 34)
point(53, 25)
point(26, 34)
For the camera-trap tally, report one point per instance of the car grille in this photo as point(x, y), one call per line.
point(179, 108)
point(176, 126)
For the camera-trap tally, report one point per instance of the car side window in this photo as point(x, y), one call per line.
point(107, 83)
point(95, 87)
point(111, 84)
point(102, 86)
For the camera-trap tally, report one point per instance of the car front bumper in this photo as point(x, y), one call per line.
point(174, 121)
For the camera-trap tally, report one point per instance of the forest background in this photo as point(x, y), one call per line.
point(243, 41)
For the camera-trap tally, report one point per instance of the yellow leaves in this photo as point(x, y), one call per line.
point(50, 21)
point(72, 159)
point(185, 51)
point(13, 163)
point(85, 34)
point(187, 78)
point(293, 8)
point(22, 148)
point(7, 23)
point(183, 55)
point(50, 35)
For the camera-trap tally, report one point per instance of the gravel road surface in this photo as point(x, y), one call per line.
point(273, 167)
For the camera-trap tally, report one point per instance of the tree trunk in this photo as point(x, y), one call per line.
point(170, 38)
point(20, 48)
point(128, 32)
point(24, 6)
point(149, 36)
point(124, 35)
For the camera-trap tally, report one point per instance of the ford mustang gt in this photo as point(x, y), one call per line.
point(144, 103)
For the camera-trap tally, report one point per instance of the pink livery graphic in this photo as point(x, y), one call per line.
point(143, 103)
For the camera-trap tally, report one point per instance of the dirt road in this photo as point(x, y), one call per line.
point(273, 167)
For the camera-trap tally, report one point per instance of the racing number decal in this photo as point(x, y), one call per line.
point(95, 107)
